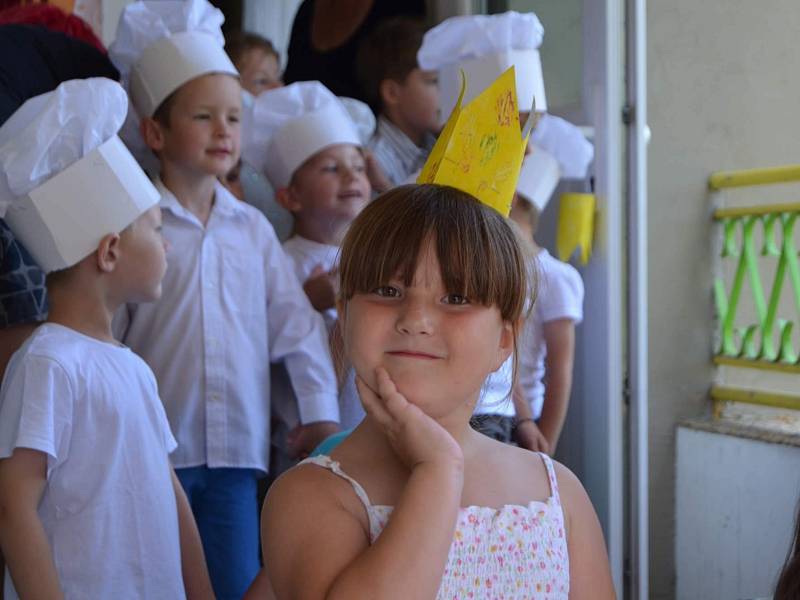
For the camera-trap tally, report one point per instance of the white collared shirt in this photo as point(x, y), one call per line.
point(230, 305)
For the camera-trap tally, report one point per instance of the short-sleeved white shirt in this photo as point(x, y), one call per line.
point(108, 508)
point(306, 255)
point(560, 296)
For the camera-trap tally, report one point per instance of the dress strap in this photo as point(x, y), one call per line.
point(326, 462)
point(551, 475)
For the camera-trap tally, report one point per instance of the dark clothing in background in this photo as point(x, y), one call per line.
point(34, 61)
point(335, 68)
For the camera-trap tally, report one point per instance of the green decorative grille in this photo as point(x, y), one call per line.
point(770, 338)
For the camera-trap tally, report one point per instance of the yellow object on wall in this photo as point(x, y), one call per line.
point(481, 147)
point(575, 225)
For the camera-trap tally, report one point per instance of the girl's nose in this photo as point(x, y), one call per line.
point(415, 319)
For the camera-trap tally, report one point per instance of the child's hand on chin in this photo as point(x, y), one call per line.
point(414, 436)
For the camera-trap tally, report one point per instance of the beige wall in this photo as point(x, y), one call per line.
point(723, 94)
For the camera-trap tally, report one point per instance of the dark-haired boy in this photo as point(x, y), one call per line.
point(405, 97)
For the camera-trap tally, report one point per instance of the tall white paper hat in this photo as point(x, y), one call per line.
point(284, 127)
point(485, 46)
point(566, 143)
point(162, 44)
point(538, 178)
point(66, 179)
point(362, 116)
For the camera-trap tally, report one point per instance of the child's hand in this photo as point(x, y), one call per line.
point(528, 435)
point(377, 179)
point(304, 438)
point(320, 287)
point(415, 437)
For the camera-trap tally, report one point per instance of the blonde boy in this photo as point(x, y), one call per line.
point(231, 304)
point(89, 504)
point(547, 347)
point(305, 141)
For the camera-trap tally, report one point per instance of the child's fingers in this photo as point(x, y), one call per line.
point(393, 400)
point(372, 403)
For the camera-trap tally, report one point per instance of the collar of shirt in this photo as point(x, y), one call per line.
point(225, 203)
point(409, 153)
point(312, 247)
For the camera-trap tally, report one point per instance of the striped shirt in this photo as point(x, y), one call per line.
point(396, 154)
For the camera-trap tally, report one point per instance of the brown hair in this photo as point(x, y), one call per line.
point(388, 52)
point(479, 253)
point(240, 42)
point(788, 587)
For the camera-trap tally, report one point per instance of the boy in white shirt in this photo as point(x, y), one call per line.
point(231, 304)
point(305, 141)
point(547, 345)
point(405, 98)
point(89, 504)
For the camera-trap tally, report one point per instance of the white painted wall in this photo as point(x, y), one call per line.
point(723, 94)
point(735, 505)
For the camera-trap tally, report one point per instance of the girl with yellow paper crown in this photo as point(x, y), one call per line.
point(415, 503)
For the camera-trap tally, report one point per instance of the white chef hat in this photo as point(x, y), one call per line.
point(362, 116)
point(566, 143)
point(162, 44)
point(66, 179)
point(485, 46)
point(284, 127)
point(538, 178)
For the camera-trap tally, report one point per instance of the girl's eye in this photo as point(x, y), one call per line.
point(360, 168)
point(456, 299)
point(233, 119)
point(202, 116)
point(330, 168)
point(386, 291)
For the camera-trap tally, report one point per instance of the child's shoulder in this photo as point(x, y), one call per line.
point(310, 490)
point(56, 342)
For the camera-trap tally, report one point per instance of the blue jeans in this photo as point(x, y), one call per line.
point(225, 507)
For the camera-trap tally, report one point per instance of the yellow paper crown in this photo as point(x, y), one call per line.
point(480, 149)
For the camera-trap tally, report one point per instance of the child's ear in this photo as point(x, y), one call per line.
point(153, 133)
point(506, 345)
point(389, 91)
point(288, 199)
point(108, 253)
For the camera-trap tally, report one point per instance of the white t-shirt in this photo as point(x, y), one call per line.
point(108, 508)
point(306, 255)
point(560, 296)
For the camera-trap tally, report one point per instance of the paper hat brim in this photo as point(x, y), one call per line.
point(172, 61)
point(482, 72)
point(538, 178)
point(304, 136)
point(63, 220)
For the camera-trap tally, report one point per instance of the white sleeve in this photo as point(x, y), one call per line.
point(36, 404)
point(562, 296)
point(298, 338)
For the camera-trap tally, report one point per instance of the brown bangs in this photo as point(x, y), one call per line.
point(479, 254)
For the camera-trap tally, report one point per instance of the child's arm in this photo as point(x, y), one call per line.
point(589, 571)
point(526, 431)
point(23, 477)
point(559, 338)
point(329, 555)
point(193, 562)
